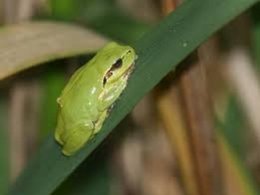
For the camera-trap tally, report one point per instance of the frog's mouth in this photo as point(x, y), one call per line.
point(129, 70)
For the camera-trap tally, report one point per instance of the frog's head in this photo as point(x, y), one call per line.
point(119, 62)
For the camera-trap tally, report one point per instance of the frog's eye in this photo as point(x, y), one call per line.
point(118, 64)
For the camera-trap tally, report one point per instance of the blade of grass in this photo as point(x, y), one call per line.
point(159, 52)
point(91, 177)
point(234, 126)
point(29, 44)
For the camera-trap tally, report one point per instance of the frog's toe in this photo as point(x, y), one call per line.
point(70, 147)
point(67, 152)
point(58, 138)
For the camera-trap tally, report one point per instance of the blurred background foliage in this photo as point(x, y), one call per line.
point(196, 133)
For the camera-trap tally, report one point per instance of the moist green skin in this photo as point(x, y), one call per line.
point(90, 93)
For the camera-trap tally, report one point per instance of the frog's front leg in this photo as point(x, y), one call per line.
point(100, 121)
point(76, 139)
point(59, 130)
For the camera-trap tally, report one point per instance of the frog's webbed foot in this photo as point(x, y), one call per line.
point(75, 139)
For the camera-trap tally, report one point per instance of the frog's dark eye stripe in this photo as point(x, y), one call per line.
point(115, 66)
point(109, 74)
point(104, 81)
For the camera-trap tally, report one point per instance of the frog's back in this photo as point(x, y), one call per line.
point(79, 97)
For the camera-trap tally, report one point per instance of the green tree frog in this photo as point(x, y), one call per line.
point(87, 99)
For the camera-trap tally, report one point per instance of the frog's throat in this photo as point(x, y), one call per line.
point(129, 71)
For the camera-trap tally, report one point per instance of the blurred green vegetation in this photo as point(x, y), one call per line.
point(233, 130)
point(104, 16)
point(256, 34)
point(4, 155)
